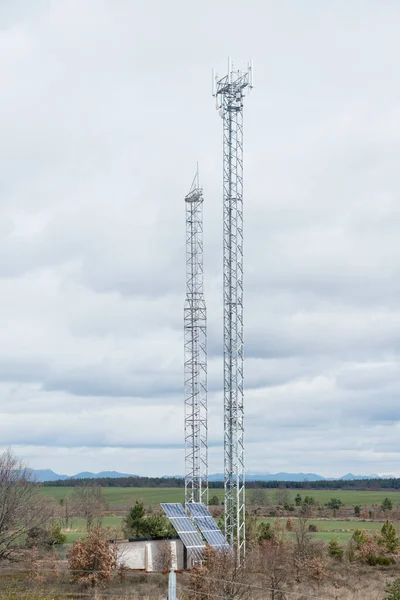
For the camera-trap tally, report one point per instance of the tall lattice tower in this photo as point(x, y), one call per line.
point(195, 326)
point(229, 92)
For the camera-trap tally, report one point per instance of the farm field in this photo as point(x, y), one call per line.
point(336, 524)
point(126, 496)
point(343, 530)
point(326, 529)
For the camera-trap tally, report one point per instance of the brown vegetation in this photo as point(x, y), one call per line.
point(92, 560)
point(21, 508)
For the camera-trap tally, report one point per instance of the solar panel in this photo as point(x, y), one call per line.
point(208, 527)
point(206, 523)
point(183, 524)
point(198, 509)
point(173, 510)
point(186, 529)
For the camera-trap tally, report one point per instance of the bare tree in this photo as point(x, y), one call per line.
point(282, 496)
point(21, 506)
point(219, 577)
point(89, 503)
point(275, 562)
point(258, 497)
point(66, 512)
point(302, 544)
point(164, 556)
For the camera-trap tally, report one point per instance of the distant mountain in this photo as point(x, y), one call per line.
point(298, 477)
point(49, 475)
point(273, 477)
point(351, 477)
point(110, 474)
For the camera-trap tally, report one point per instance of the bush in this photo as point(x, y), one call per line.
point(214, 501)
point(357, 511)
point(138, 523)
point(92, 560)
point(335, 550)
point(359, 537)
point(58, 537)
point(258, 497)
point(389, 537)
point(387, 504)
point(374, 560)
point(393, 590)
point(41, 537)
point(309, 501)
point(334, 503)
point(265, 532)
point(313, 528)
point(384, 560)
point(289, 524)
point(133, 520)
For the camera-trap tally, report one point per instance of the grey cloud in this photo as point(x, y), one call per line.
point(104, 112)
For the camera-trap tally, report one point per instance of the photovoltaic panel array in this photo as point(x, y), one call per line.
point(208, 527)
point(185, 528)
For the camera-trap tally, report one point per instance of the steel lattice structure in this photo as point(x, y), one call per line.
point(230, 92)
point(195, 333)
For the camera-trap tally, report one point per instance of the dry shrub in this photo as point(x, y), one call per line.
point(218, 577)
point(275, 565)
point(92, 560)
point(317, 568)
point(13, 593)
point(34, 573)
point(164, 557)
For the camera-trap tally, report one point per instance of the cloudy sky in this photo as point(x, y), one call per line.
point(105, 107)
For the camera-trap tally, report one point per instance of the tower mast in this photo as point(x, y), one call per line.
point(229, 92)
point(195, 335)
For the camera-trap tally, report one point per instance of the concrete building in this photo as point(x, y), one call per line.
point(152, 554)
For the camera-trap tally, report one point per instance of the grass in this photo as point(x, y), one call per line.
point(337, 525)
point(78, 528)
point(326, 528)
point(127, 496)
point(118, 497)
point(348, 497)
point(80, 524)
point(343, 530)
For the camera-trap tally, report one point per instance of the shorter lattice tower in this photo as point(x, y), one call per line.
point(195, 334)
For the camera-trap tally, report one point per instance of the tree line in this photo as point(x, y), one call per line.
point(178, 482)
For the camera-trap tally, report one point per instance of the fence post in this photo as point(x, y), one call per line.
point(172, 585)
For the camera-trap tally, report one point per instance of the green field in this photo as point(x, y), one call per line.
point(348, 497)
point(326, 528)
point(336, 525)
point(329, 528)
point(127, 496)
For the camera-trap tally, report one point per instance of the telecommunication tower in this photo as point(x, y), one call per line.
point(195, 334)
point(229, 92)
